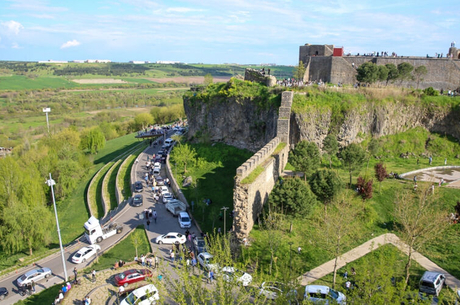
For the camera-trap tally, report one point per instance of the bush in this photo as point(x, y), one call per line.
point(430, 91)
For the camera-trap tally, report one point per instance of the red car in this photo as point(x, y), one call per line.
point(131, 276)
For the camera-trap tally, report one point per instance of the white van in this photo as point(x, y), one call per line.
point(169, 141)
point(431, 283)
point(185, 222)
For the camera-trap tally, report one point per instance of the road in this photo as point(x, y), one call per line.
point(128, 216)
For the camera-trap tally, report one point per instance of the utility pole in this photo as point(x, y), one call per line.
point(225, 227)
point(50, 183)
point(46, 111)
point(290, 258)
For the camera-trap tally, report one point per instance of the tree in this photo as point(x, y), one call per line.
point(367, 73)
point(353, 156)
point(92, 139)
point(382, 73)
point(392, 73)
point(208, 79)
point(137, 240)
point(183, 154)
point(420, 219)
point(331, 147)
point(325, 184)
point(419, 72)
point(292, 196)
point(299, 71)
point(380, 173)
point(404, 72)
point(337, 227)
point(305, 157)
point(142, 120)
point(364, 186)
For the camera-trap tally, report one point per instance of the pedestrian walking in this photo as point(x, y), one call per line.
point(299, 249)
point(93, 274)
point(75, 273)
point(171, 255)
point(156, 262)
point(143, 260)
point(148, 223)
point(187, 263)
point(33, 286)
point(155, 216)
point(430, 160)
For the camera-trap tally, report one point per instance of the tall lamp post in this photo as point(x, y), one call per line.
point(290, 258)
point(225, 227)
point(46, 111)
point(50, 183)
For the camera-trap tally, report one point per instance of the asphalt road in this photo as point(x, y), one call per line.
point(129, 217)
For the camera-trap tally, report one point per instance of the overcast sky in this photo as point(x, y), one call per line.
point(221, 31)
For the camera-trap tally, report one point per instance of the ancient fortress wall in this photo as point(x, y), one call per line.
point(250, 197)
point(443, 73)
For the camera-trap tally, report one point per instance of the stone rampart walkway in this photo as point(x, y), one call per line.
point(367, 247)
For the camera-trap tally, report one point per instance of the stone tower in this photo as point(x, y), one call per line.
point(453, 51)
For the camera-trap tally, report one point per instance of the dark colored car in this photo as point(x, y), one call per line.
point(131, 276)
point(161, 153)
point(137, 200)
point(3, 293)
point(200, 245)
point(157, 158)
point(138, 187)
point(160, 181)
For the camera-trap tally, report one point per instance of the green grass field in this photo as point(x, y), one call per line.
point(20, 82)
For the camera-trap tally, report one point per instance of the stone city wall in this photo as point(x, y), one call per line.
point(257, 77)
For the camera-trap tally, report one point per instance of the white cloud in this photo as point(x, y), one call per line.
point(70, 43)
point(13, 27)
point(183, 10)
point(15, 45)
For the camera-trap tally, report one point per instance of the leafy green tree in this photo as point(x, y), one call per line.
point(325, 184)
point(419, 72)
point(420, 220)
point(337, 227)
point(26, 222)
point(299, 71)
point(92, 139)
point(405, 72)
point(382, 73)
point(305, 157)
point(353, 156)
point(393, 73)
point(367, 73)
point(208, 79)
point(331, 147)
point(183, 154)
point(292, 196)
point(142, 120)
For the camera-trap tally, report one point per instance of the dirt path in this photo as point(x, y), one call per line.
point(369, 246)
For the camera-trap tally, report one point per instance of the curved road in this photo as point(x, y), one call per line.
point(128, 216)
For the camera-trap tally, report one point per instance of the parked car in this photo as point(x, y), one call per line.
point(184, 220)
point(145, 295)
point(3, 293)
point(138, 187)
point(85, 253)
point(132, 276)
point(231, 274)
point(167, 197)
point(431, 283)
point(33, 275)
point(159, 180)
point(274, 290)
point(206, 261)
point(319, 294)
point(200, 245)
point(138, 200)
point(171, 238)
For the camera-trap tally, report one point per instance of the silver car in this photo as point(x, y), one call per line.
point(33, 275)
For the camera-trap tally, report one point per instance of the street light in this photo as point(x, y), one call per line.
point(50, 183)
point(225, 209)
point(46, 111)
point(290, 258)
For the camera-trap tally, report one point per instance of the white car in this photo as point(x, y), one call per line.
point(185, 222)
point(164, 189)
point(157, 164)
point(145, 295)
point(85, 253)
point(205, 260)
point(33, 275)
point(231, 274)
point(156, 170)
point(171, 238)
point(167, 197)
point(318, 294)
